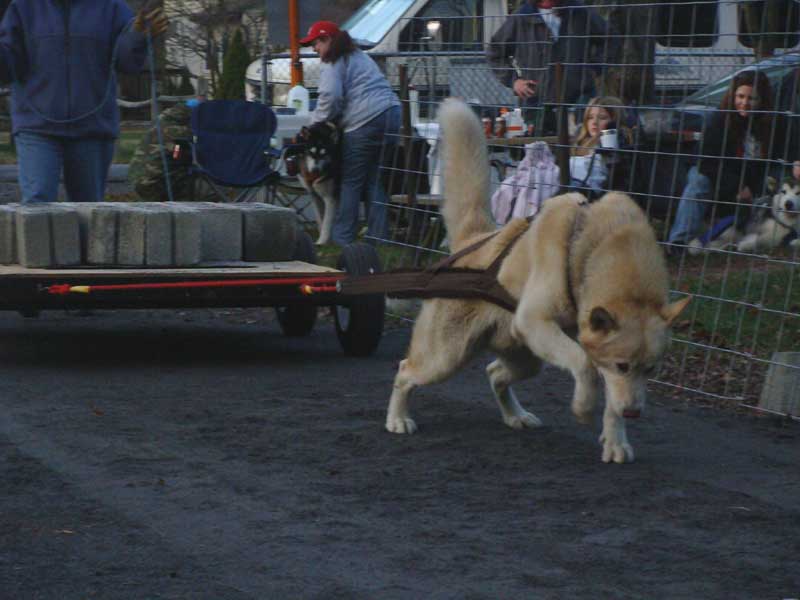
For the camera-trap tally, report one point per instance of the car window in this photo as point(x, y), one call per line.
point(688, 24)
point(460, 27)
point(373, 20)
point(780, 77)
point(782, 29)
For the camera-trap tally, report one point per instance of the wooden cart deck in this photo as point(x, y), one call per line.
point(26, 289)
point(222, 270)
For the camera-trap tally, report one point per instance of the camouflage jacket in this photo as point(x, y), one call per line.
point(146, 168)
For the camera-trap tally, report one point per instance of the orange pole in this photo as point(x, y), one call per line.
point(294, 46)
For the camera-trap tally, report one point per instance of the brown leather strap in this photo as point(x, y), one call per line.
point(441, 280)
point(448, 282)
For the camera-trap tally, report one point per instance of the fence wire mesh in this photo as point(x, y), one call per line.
point(698, 146)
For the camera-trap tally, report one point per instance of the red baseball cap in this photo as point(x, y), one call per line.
point(317, 30)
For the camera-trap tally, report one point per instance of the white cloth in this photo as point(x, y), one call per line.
point(579, 171)
point(552, 20)
point(535, 179)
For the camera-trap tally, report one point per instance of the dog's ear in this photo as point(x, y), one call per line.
point(671, 311)
point(601, 321)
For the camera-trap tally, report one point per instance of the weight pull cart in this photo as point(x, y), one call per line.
point(296, 289)
point(356, 290)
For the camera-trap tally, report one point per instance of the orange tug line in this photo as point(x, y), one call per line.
point(308, 285)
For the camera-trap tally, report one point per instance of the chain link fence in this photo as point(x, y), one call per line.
point(700, 154)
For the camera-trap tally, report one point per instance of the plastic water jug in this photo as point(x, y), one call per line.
point(298, 99)
point(514, 123)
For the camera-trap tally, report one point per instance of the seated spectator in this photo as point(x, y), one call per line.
point(741, 138)
point(146, 169)
point(593, 169)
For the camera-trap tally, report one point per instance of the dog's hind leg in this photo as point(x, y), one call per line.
point(439, 347)
point(509, 368)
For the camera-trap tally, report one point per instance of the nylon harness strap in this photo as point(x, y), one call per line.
point(441, 280)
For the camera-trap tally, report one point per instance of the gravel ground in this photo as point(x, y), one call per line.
point(200, 454)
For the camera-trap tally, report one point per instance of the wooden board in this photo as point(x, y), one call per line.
point(221, 270)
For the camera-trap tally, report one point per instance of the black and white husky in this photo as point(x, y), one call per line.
point(319, 169)
point(775, 221)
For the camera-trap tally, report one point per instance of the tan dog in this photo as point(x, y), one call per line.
point(593, 270)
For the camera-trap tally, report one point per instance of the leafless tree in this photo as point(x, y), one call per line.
point(202, 29)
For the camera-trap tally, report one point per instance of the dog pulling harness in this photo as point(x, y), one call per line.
point(443, 280)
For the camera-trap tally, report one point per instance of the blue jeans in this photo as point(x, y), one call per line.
point(691, 208)
point(41, 158)
point(361, 154)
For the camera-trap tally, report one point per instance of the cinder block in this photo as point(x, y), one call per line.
point(781, 391)
point(101, 232)
point(8, 234)
point(187, 235)
point(270, 232)
point(131, 239)
point(48, 235)
point(158, 236)
point(221, 231)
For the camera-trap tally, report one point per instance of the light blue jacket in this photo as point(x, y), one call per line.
point(352, 91)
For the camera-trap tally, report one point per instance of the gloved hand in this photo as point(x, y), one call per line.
point(154, 21)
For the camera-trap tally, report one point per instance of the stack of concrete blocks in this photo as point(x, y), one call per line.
point(44, 235)
point(141, 234)
point(157, 234)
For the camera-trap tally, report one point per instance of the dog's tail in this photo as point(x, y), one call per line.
point(465, 172)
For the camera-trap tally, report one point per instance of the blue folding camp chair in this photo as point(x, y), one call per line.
point(231, 148)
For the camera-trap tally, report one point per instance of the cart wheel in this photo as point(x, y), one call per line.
point(359, 321)
point(297, 320)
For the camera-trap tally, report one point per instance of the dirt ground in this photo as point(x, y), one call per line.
point(200, 454)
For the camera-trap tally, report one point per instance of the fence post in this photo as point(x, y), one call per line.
point(407, 132)
point(562, 152)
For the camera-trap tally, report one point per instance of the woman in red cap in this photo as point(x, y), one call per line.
point(354, 93)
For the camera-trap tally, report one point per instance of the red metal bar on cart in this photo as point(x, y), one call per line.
point(315, 283)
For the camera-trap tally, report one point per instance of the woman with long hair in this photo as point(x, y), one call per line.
point(591, 172)
point(738, 143)
point(354, 93)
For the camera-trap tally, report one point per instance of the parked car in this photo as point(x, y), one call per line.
point(686, 119)
point(670, 136)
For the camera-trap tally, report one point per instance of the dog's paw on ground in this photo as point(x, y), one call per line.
point(616, 450)
point(401, 425)
point(522, 420)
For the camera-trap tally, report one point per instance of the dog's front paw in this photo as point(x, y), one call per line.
point(616, 448)
point(400, 425)
point(522, 420)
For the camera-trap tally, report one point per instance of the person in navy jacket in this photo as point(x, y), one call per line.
point(57, 55)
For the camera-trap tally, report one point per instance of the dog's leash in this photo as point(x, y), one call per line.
point(442, 279)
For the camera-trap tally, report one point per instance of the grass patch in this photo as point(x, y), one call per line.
point(749, 305)
point(744, 310)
